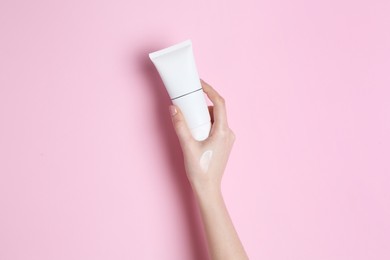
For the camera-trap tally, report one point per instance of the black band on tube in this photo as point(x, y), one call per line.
point(186, 94)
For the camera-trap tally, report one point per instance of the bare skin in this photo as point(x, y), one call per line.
point(205, 164)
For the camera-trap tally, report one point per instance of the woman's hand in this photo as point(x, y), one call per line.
point(205, 161)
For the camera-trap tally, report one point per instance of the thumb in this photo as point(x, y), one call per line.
point(180, 125)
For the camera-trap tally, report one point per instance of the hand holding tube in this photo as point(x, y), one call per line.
point(205, 162)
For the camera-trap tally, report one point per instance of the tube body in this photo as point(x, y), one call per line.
point(177, 69)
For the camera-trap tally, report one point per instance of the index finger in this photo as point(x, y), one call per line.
point(219, 110)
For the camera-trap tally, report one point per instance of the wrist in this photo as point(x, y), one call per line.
point(206, 190)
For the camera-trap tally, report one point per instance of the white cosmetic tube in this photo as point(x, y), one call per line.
point(177, 69)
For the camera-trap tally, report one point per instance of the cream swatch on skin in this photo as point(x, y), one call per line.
point(205, 160)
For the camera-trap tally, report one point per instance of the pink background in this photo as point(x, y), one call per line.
point(90, 167)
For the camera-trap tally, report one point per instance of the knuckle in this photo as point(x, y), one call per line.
point(232, 136)
point(227, 133)
point(220, 100)
point(179, 124)
point(177, 119)
point(176, 122)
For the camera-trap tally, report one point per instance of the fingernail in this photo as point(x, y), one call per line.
point(172, 110)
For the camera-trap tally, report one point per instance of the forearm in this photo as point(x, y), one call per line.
point(222, 238)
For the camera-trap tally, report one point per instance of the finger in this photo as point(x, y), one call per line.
point(219, 110)
point(180, 126)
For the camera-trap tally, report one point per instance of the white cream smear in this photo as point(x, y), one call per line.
point(205, 160)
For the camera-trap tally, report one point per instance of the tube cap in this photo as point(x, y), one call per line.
point(201, 132)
